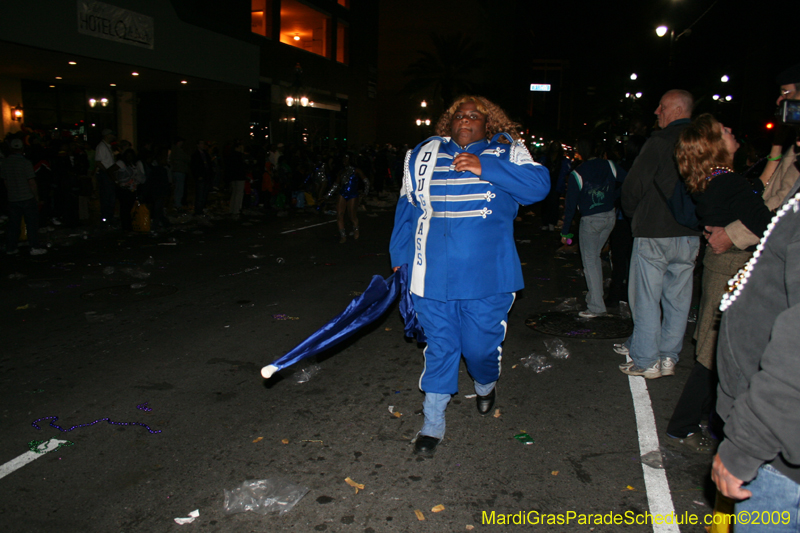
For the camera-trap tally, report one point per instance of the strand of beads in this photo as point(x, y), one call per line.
point(736, 283)
point(54, 425)
point(716, 171)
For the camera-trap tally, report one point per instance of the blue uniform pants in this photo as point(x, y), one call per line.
point(472, 328)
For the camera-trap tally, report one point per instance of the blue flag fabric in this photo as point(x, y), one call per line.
point(362, 311)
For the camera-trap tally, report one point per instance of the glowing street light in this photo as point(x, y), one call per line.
point(724, 79)
point(423, 119)
point(661, 31)
point(634, 76)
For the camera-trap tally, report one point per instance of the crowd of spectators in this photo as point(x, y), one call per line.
point(102, 184)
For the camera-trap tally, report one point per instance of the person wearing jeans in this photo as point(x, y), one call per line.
point(592, 187)
point(759, 382)
point(593, 233)
point(663, 285)
point(664, 252)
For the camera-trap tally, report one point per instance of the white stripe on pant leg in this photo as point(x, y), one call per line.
point(656, 485)
point(424, 366)
point(505, 332)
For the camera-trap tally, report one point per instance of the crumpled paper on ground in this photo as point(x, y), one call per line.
point(188, 520)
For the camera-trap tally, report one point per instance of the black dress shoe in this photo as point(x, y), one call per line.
point(485, 403)
point(426, 445)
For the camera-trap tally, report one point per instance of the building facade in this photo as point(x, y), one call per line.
point(200, 69)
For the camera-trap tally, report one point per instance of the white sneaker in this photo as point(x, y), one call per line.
point(621, 349)
point(651, 372)
point(625, 366)
point(668, 366)
point(588, 314)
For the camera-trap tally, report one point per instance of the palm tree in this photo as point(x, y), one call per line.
point(451, 69)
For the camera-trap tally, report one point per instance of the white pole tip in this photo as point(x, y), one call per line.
point(268, 370)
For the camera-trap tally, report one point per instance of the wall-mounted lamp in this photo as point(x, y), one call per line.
point(16, 113)
point(93, 102)
point(299, 100)
point(296, 37)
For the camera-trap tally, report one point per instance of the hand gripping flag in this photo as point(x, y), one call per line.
point(362, 311)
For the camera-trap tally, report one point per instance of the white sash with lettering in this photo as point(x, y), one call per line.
point(423, 171)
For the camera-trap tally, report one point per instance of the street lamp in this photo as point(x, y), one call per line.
point(423, 119)
point(634, 76)
point(662, 31)
point(724, 79)
point(297, 101)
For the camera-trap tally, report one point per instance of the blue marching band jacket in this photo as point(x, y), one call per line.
point(455, 230)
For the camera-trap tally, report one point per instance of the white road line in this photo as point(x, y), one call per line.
point(655, 479)
point(27, 457)
point(312, 226)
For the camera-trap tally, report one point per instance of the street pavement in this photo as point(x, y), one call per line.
point(165, 336)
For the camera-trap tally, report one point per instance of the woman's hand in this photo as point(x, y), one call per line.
point(465, 162)
point(718, 239)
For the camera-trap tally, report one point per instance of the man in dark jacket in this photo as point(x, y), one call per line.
point(664, 252)
point(758, 463)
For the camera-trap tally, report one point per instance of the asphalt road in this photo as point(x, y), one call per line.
point(173, 345)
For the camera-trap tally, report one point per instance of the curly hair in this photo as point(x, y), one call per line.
point(699, 150)
point(496, 119)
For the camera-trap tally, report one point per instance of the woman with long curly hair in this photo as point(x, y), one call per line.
point(454, 228)
point(705, 159)
point(496, 119)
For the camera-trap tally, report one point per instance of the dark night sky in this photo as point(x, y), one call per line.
point(604, 42)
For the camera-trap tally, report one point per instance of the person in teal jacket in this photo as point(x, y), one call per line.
point(454, 228)
point(592, 187)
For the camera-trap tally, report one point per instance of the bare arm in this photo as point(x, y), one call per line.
point(772, 164)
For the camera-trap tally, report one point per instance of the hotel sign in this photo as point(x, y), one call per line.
point(114, 23)
point(540, 87)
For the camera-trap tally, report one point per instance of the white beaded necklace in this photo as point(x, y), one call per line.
point(736, 283)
